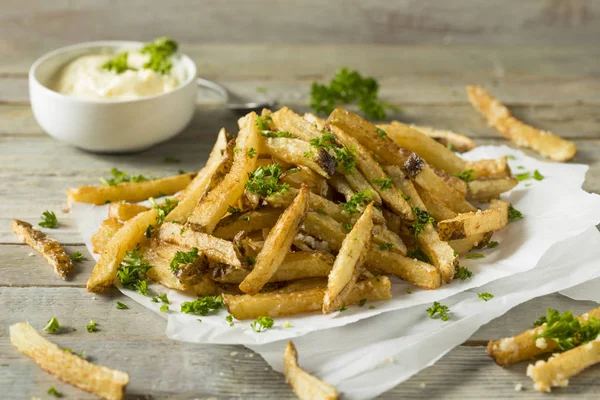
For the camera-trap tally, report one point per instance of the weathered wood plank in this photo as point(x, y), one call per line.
point(423, 22)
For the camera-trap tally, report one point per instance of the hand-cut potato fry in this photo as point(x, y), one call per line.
point(360, 184)
point(101, 381)
point(511, 350)
point(129, 191)
point(558, 369)
point(248, 221)
point(299, 152)
point(125, 211)
point(438, 210)
point(277, 244)
point(130, 234)
point(214, 248)
point(49, 248)
point(207, 287)
point(384, 236)
point(306, 386)
point(349, 262)
point(286, 120)
point(486, 189)
point(469, 224)
point(282, 303)
point(304, 176)
point(214, 205)
point(453, 141)
point(429, 149)
point(463, 246)
point(298, 265)
point(103, 236)
point(421, 274)
point(161, 268)
point(546, 143)
point(216, 153)
point(341, 185)
point(319, 123)
point(390, 195)
point(491, 168)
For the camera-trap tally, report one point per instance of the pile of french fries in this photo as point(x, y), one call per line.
point(299, 214)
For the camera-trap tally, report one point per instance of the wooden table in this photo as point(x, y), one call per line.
point(541, 57)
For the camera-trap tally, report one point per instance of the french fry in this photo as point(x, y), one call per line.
point(298, 265)
point(125, 211)
point(306, 386)
point(546, 143)
point(101, 381)
point(207, 287)
point(304, 176)
point(282, 303)
point(214, 205)
point(341, 185)
point(508, 351)
point(438, 210)
point(469, 224)
point(463, 246)
point(130, 234)
point(216, 153)
point(434, 153)
point(349, 262)
point(319, 123)
point(558, 369)
point(215, 249)
point(299, 152)
point(277, 244)
point(491, 168)
point(129, 191)
point(486, 189)
point(248, 221)
point(49, 248)
point(453, 141)
point(103, 236)
point(161, 269)
point(420, 274)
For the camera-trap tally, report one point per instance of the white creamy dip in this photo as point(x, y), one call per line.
point(84, 77)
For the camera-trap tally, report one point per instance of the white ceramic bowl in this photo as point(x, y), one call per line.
point(112, 126)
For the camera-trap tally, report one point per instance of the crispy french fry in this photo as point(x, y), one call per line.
point(469, 224)
point(319, 123)
point(49, 248)
point(125, 211)
point(161, 269)
point(486, 189)
point(511, 350)
point(417, 272)
point(299, 152)
point(306, 386)
point(101, 381)
point(129, 191)
point(438, 210)
point(349, 262)
point(281, 303)
point(463, 246)
point(102, 238)
point(216, 153)
point(215, 249)
point(277, 244)
point(341, 185)
point(214, 205)
point(491, 168)
point(303, 176)
point(546, 143)
point(130, 234)
point(248, 221)
point(453, 141)
point(298, 265)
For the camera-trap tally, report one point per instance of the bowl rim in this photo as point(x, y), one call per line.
point(190, 67)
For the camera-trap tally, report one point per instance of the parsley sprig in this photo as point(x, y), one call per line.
point(384, 183)
point(52, 326)
point(183, 258)
point(463, 273)
point(49, 220)
point(264, 181)
point(202, 306)
point(358, 199)
point(422, 218)
point(262, 324)
point(160, 51)
point(566, 330)
point(163, 209)
point(466, 176)
point(118, 64)
point(438, 310)
point(132, 271)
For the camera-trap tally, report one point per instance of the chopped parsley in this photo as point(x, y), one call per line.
point(233, 210)
point(164, 308)
point(384, 183)
point(327, 141)
point(346, 158)
point(262, 324)
point(149, 231)
point(348, 87)
point(118, 64)
point(53, 392)
point(247, 218)
point(172, 160)
point(522, 177)
point(408, 291)
point(358, 199)
point(463, 273)
point(159, 51)
point(119, 176)
point(362, 302)
point(80, 355)
point(511, 157)
point(347, 227)
point(202, 306)
point(513, 213)
point(163, 209)
point(387, 246)
point(321, 211)
point(491, 245)
point(381, 133)
point(371, 307)
point(264, 181)
point(183, 258)
point(262, 125)
point(418, 254)
point(273, 134)
point(91, 327)
point(451, 147)
point(422, 218)
point(49, 220)
point(292, 171)
point(121, 306)
point(438, 310)
point(404, 196)
point(466, 175)
point(229, 319)
point(287, 324)
point(342, 308)
point(251, 153)
point(132, 271)
point(77, 256)
point(52, 326)
point(162, 297)
point(473, 256)
point(485, 296)
point(251, 260)
point(566, 330)
point(537, 176)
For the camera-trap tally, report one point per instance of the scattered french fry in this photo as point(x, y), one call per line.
point(469, 224)
point(306, 386)
point(453, 141)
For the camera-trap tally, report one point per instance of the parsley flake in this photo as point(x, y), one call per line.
point(567, 331)
point(362, 302)
point(77, 256)
point(473, 256)
point(49, 220)
point(463, 273)
point(202, 306)
point(183, 258)
point(91, 327)
point(492, 244)
point(358, 199)
point(160, 51)
point(132, 271)
point(119, 176)
point(251, 153)
point(342, 308)
point(163, 209)
point(438, 310)
point(387, 246)
point(118, 64)
point(522, 177)
point(52, 326)
point(121, 306)
point(466, 176)
point(262, 324)
point(53, 392)
point(233, 210)
point(384, 183)
point(264, 181)
point(485, 296)
point(347, 227)
point(229, 319)
point(381, 133)
point(537, 176)
point(513, 213)
point(164, 308)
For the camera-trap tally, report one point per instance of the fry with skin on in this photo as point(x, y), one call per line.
point(306, 386)
point(161, 268)
point(304, 176)
point(491, 168)
point(348, 263)
point(438, 210)
point(546, 143)
point(469, 224)
point(454, 141)
point(277, 244)
point(49, 248)
point(299, 152)
point(248, 221)
point(477, 241)
point(486, 189)
point(101, 381)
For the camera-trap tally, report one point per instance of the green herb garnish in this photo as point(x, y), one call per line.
point(384, 183)
point(273, 134)
point(163, 209)
point(233, 210)
point(567, 331)
point(387, 246)
point(262, 324)
point(132, 271)
point(342, 308)
point(485, 296)
point(121, 306)
point(491, 245)
point(513, 213)
point(160, 51)
point(381, 133)
point(356, 200)
point(264, 181)
point(77, 256)
point(53, 392)
point(438, 310)
point(49, 220)
point(346, 158)
point(537, 176)
point(251, 153)
point(463, 273)
point(522, 177)
point(203, 305)
point(262, 125)
point(466, 176)
point(347, 227)
point(362, 302)
point(404, 196)
point(327, 141)
point(183, 258)
point(119, 176)
point(229, 319)
point(91, 327)
point(52, 326)
point(473, 256)
point(164, 308)
point(118, 64)
point(149, 231)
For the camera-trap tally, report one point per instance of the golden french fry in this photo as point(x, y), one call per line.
point(49, 248)
point(125, 211)
point(469, 224)
point(107, 230)
point(306, 386)
point(277, 244)
point(453, 141)
point(213, 206)
point(101, 381)
point(348, 263)
point(491, 168)
point(286, 120)
point(248, 221)
point(129, 191)
point(463, 246)
point(486, 189)
point(161, 269)
point(303, 176)
point(438, 210)
point(319, 123)
point(130, 234)
point(420, 274)
point(546, 143)
point(299, 152)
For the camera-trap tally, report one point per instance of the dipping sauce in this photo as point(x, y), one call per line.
point(88, 77)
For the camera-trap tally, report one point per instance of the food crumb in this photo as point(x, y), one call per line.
point(250, 355)
point(221, 374)
point(423, 385)
point(31, 254)
point(233, 353)
point(518, 387)
point(541, 343)
point(389, 360)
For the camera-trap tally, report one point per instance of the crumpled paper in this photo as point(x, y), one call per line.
point(554, 209)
